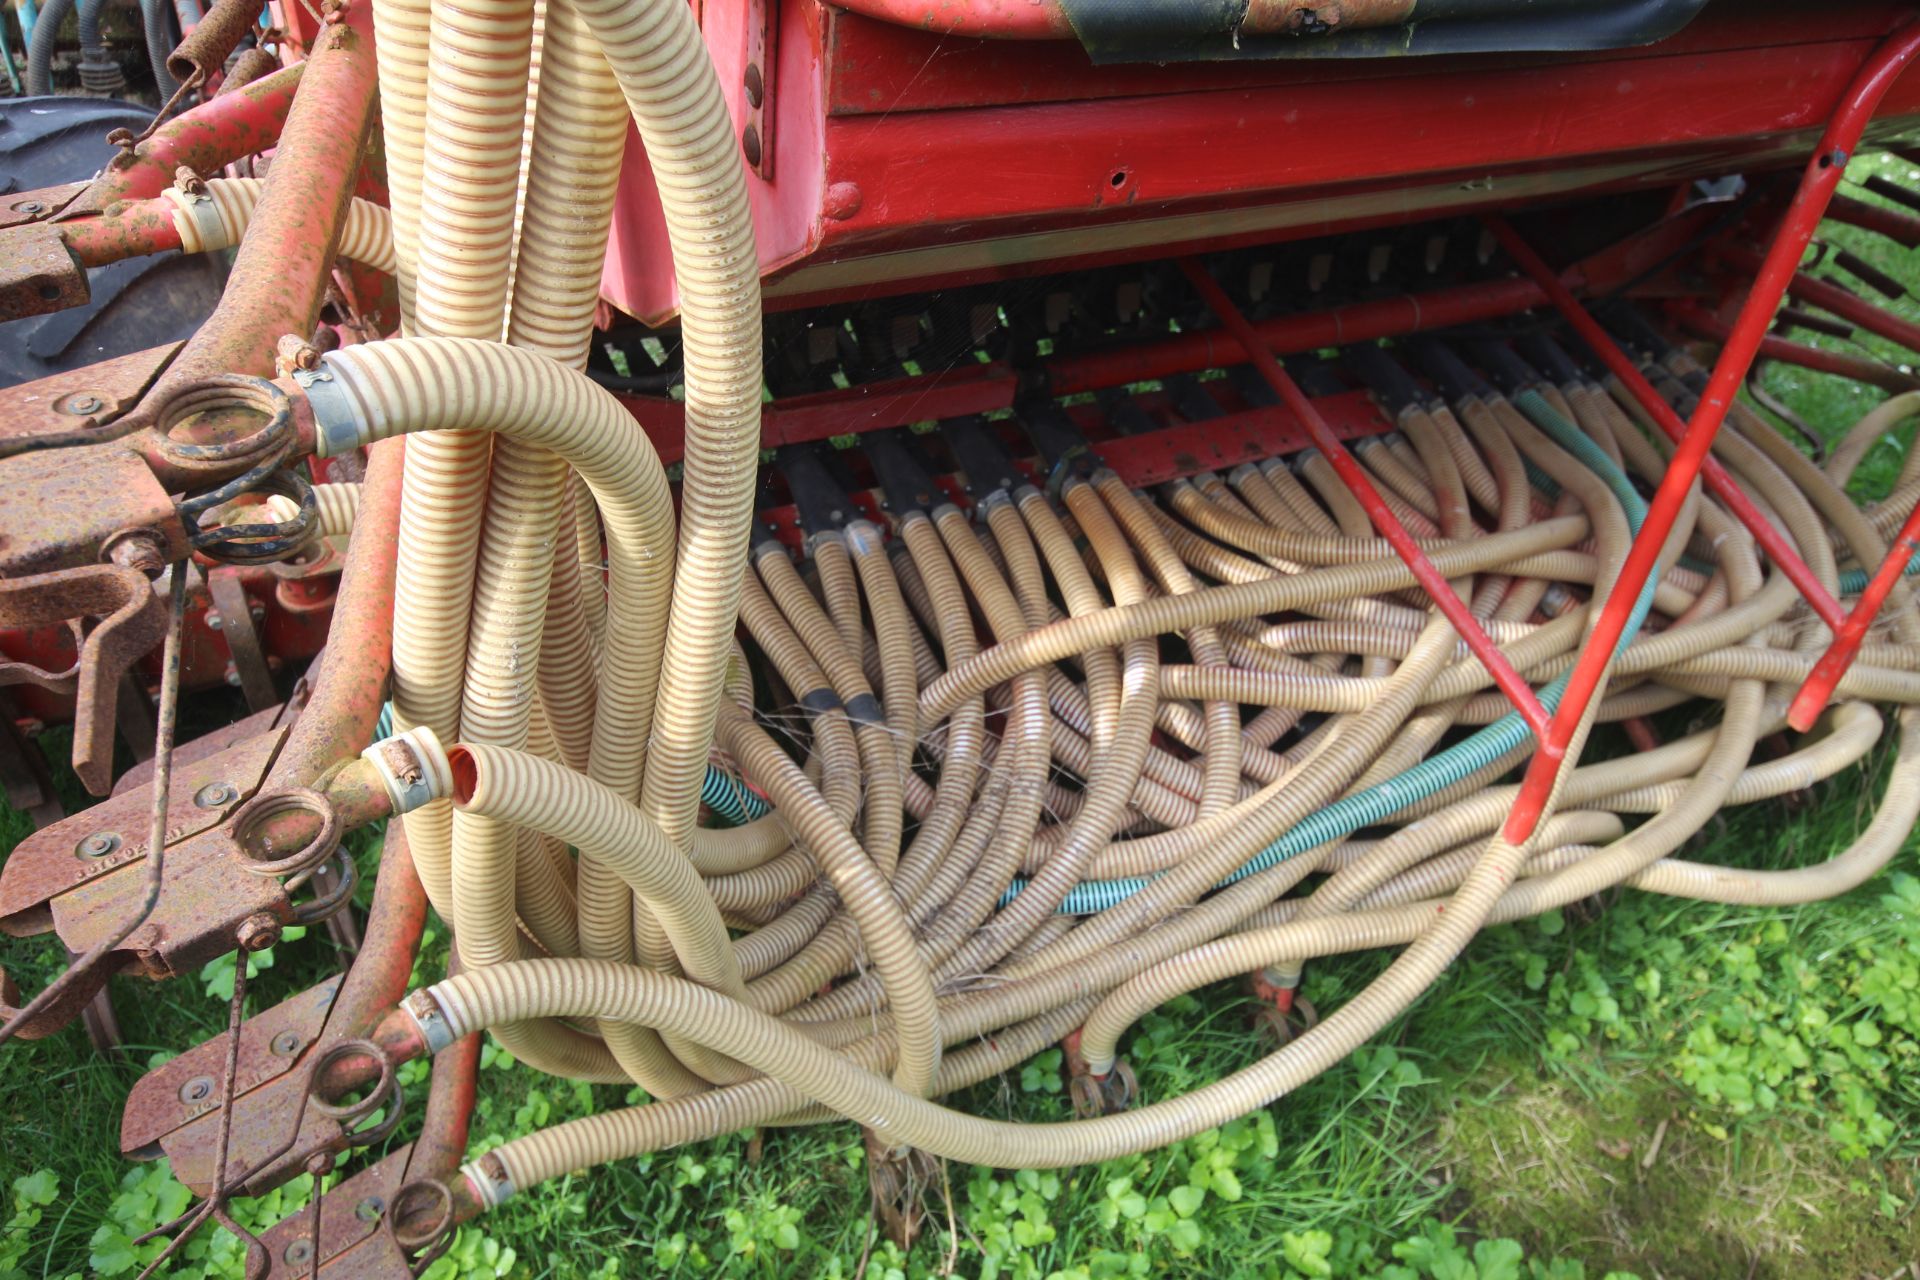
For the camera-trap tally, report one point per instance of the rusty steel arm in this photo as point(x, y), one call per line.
point(352, 675)
point(205, 139)
point(280, 277)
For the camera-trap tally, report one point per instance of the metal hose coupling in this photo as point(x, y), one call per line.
point(492, 1184)
point(436, 1028)
point(414, 768)
point(340, 423)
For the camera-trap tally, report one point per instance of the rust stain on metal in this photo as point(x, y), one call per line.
point(132, 620)
point(44, 865)
point(271, 1044)
point(46, 404)
point(350, 1215)
point(38, 273)
point(65, 505)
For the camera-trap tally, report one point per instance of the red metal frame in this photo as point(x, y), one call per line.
point(1901, 228)
point(1518, 691)
point(1621, 365)
point(1853, 368)
point(1814, 695)
point(1821, 175)
point(205, 139)
point(280, 275)
point(908, 160)
point(1828, 296)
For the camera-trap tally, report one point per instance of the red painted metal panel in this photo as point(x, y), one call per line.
point(1141, 161)
point(880, 67)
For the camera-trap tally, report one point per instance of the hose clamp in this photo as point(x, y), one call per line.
point(210, 233)
point(206, 220)
point(492, 1184)
point(436, 1029)
point(337, 427)
point(413, 767)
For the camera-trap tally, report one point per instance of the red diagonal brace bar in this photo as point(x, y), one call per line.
point(1518, 691)
point(1817, 184)
point(1815, 693)
point(1719, 483)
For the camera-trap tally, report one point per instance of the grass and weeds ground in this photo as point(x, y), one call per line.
point(1644, 1087)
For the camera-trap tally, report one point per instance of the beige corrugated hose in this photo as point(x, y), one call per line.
point(1032, 770)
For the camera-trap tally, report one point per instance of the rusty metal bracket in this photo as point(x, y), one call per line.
point(88, 847)
point(132, 621)
point(358, 1229)
point(174, 1109)
point(76, 506)
point(84, 876)
point(39, 205)
point(38, 273)
point(85, 397)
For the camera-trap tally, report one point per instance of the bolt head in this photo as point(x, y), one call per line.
point(286, 1044)
point(198, 1089)
point(298, 1254)
point(756, 89)
point(258, 932)
point(215, 794)
point(86, 404)
point(138, 549)
point(214, 620)
point(30, 206)
point(233, 675)
point(100, 844)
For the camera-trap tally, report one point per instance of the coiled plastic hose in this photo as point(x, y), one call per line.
point(1042, 828)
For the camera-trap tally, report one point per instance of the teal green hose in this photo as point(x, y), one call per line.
point(730, 800)
point(1380, 802)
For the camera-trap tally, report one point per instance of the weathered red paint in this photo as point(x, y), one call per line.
point(1814, 695)
point(129, 229)
point(1865, 92)
point(1213, 154)
point(352, 675)
point(212, 135)
point(279, 277)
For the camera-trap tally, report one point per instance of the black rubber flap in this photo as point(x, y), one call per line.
point(904, 478)
point(1448, 371)
point(980, 454)
point(822, 503)
point(1389, 381)
point(1115, 31)
point(1548, 356)
point(1496, 359)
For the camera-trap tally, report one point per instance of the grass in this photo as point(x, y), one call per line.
point(1650, 1088)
